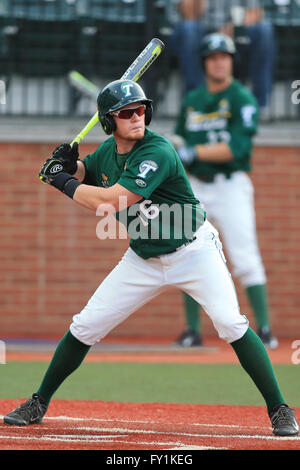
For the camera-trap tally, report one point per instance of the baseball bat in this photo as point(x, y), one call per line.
point(82, 84)
point(138, 67)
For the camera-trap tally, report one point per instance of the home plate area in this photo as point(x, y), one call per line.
point(98, 425)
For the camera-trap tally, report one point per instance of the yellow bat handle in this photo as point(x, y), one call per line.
point(86, 129)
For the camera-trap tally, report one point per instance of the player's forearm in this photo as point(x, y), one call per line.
point(216, 153)
point(80, 173)
point(114, 199)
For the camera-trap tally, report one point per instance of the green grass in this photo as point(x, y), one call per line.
point(169, 383)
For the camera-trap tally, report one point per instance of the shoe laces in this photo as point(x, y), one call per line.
point(282, 416)
point(32, 404)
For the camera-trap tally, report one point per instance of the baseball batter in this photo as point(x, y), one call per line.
point(184, 251)
point(217, 122)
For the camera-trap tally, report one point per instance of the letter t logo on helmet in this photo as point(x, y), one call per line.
point(217, 42)
point(126, 87)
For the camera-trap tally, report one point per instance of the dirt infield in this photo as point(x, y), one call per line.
point(214, 352)
point(98, 425)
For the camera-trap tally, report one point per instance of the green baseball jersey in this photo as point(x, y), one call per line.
point(208, 118)
point(168, 214)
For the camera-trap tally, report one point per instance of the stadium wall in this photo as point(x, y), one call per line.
point(51, 260)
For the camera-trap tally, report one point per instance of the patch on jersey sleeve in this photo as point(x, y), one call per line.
point(145, 167)
point(141, 183)
point(247, 113)
point(104, 180)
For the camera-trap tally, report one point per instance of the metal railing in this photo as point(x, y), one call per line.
point(41, 41)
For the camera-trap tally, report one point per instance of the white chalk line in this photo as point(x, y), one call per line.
point(90, 438)
point(106, 439)
point(69, 418)
point(173, 433)
point(111, 420)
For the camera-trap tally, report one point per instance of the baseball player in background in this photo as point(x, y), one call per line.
point(138, 174)
point(217, 123)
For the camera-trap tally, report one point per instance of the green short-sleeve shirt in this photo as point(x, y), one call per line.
point(168, 214)
point(229, 116)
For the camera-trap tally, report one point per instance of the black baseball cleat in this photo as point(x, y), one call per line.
point(267, 338)
point(188, 339)
point(284, 421)
point(30, 412)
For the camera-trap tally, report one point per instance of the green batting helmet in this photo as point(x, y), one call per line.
point(217, 42)
point(117, 94)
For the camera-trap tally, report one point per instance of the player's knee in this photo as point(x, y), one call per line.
point(82, 335)
point(87, 327)
point(253, 278)
point(232, 330)
point(250, 274)
point(94, 322)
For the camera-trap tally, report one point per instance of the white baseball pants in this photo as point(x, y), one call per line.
point(198, 269)
point(229, 204)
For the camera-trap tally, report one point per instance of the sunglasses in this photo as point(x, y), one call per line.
point(127, 113)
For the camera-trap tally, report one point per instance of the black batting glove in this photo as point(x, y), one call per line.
point(68, 156)
point(50, 169)
point(54, 173)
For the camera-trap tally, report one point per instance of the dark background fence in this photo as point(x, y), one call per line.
point(42, 40)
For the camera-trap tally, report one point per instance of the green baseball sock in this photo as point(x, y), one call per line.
point(258, 299)
point(192, 313)
point(68, 356)
point(255, 360)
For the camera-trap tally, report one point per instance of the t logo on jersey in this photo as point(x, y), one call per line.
point(247, 113)
point(126, 87)
point(145, 167)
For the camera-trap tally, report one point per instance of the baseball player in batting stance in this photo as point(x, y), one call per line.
point(142, 168)
point(217, 123)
